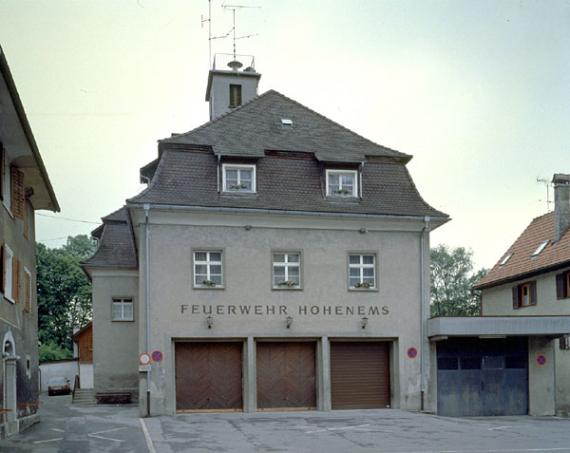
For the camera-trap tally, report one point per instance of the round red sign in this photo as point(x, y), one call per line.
point(156, 356)
point(412, 353)
point(541, 360)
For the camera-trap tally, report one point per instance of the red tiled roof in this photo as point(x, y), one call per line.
point(522, 263)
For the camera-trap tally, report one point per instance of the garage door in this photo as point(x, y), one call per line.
point(209, 376)
point(360, 375)
point(286, 375)
point(482, 377)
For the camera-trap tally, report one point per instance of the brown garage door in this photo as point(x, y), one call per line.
point(286, 375)
point(360, 375)
point(209, 376)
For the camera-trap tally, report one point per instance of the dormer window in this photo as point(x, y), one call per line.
point(239, 178)
point(342, 183)
point(235, 96)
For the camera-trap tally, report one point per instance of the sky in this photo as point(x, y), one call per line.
point(476, 91)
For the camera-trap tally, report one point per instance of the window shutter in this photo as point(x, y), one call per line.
point(516, 297)
point(18, 195)
point(560, 286)
point(533, 297)
point(15, 279)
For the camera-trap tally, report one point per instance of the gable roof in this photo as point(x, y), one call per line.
point(522, 264)
point(256, 126)
point(116, 245)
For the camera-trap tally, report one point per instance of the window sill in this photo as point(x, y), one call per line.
point(238, 193)
point(277, 288)
point(122, 320)
point(209, 287)
point(363, 290)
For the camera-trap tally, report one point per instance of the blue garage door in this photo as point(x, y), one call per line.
point(478, 377)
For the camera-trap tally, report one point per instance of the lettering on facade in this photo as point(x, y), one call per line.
point(284, 310)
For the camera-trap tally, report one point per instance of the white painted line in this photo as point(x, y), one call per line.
point(341, 428)
point(47, 440)
point(147, 437)
point(58, 430)
point(96, 434)
point(497, 428)
point(103, 437)
point(508, 451)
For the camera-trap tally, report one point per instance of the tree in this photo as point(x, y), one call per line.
point(452, 280)
point(64, 291)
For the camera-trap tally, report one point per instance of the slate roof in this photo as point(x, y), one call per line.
point(284, 182)
point(522, 264)
point(116, 247)
point(256, 126)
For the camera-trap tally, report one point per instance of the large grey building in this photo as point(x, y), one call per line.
point(24, 188)
point(276, 260)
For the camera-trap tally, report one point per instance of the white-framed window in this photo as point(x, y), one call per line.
point(362, 271)
point(342, 183)
point(8, 273)
point(122, 309)
point(286, 270)
point(208, 269)
point(239, 178)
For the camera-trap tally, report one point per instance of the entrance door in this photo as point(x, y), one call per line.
point(360, 375)
point(286, 375)
point(209, 376)
point(482, 377)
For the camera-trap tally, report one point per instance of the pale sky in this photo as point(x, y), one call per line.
point(477, 91)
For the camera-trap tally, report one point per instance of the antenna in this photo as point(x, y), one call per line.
point(235, 64)
point(209, 20)
point(546, 182)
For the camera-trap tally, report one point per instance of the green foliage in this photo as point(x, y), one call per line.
point(64, 291)
point(51, 351)
point(452, 280)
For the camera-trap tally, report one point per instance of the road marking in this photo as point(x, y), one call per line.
point(497, 428)
point(96, 434)
point(147, 437)
point(58, 430)
point(47, 440)
point(341, 428)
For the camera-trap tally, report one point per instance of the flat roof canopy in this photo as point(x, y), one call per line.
point(489, 326)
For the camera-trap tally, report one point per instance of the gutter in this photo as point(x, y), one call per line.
point(420, 218)
point(147, 299)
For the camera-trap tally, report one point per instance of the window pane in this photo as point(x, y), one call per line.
point(369, 280)
point(231, 174)
point(215, 256)
point(293, 272)
point(293, 258)
point(217, 279)
point(447, 363)
point(295, 279)
point(200, 256)
point(245, 185)
point(354, 272)
point(368, 272)
point(116, 311)
point(216, 269)
point(245, 175)
point(334, 179)
point(354, 259)
point(493, 362)
point(353, 281)
point(279, 258)
point(279, 271)
point(368, 259)
point(200, 269)
point(470, 363)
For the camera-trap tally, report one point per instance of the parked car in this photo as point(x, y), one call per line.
point(58, 386)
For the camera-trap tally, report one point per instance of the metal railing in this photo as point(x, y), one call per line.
point(221, 61)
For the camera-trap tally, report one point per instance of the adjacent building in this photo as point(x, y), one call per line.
point(276, 260)
point(24, 188)
point(515, 358)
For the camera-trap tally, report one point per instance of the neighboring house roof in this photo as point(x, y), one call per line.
point(522, 264)
point(256, 126)
point(50, 202)
point(285, 182)
point(81, 331)
point(116, 245)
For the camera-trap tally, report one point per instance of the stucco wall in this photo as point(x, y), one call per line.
point(115, 344)
point(247, 255)
point(220, 92)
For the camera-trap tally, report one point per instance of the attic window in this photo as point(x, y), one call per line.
point(506, 259)
point(286, 123)
point(540, 248)
point(239, 178)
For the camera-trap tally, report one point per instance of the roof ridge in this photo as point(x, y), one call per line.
point(113, 213)
point(223, 115)
point(338, 124)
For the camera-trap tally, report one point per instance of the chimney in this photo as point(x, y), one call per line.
point(561, 204)
point(230, 88)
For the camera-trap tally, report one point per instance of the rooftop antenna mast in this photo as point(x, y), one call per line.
point(235, 64)
point(546, 182)
point(209, 20)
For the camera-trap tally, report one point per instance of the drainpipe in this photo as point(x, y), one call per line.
point(146, 208)
point(423, 234)
point(218, 173)
point(360, 178)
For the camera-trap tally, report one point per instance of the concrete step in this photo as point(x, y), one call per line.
point(85, 397)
